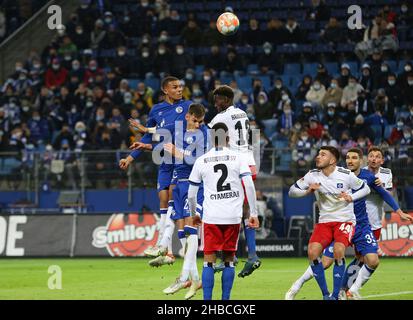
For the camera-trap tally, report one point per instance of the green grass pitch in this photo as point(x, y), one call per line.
point(134, 279)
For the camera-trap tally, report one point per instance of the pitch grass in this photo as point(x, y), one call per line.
point(134, 279)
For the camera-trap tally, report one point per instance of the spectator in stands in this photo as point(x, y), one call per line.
point(405, 16)
point(316, 94)
point(211, 36)
point(285, 100)
point(293, 31)
point(207, 82)
point(162, 62)
point(402, 77)
point(181, 61)
point(333, 94)
point(97, 35)
point(330, 116)
point(144, 93)
point(318, 11)
point(344, 75)
point(302, 154)
point(275, 94)
point(364, 105)
point(408, 91)
point(191, 34)
point(267, 61)
point(286, 120)
point(145, 64)
point(350, 92)
point(366, 80)
point(409, 118)
point(275, 32)
point(333, 32)
point(308, 112)
point(397, 133)
point(346, 143)
point(265, 114)
point(92, 72)
point(64, 135)
point(393, 91)
point(172, 23)
point(315, 131)
point(406, 145)
point(237, 92)
point(121, 62)
point(245, 103)
point(361, 129)
point(253, 36)
point(55, 75)
point(304, 87)
point(233, 64)
point(322, 75)
point(214, 61)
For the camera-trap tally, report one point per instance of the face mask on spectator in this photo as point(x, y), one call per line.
point(75, 66)
point(278, 85)
point(36, 66)
point(244, 100)
point(404, 9)
point(189, 76)
point(352, 84)
point(79, 31)
point(197, 92)
point(362, 144)
point(121, 53)
point(89, 104)
point(207, 78)
point(383, 68)
point(22, 77)
point(56, 66)
point(99, 117)
point(330, 113)
point(161, 51)
point(36, 118)
point(19, 68)
point(73, 110)
point(198, 100)
point(407, 68)
point(84, 6)
point(407, 135)
point(284, 97)
point(400, 125)
point(127, 100)
point(93, 68)
point(317, 86)
point(297, 126)
point(304, 138)
point(68, 58)
point(410, 82)
point(26, 108)
point(163, 37)
point(261, 101)
point(17, 135)
point(179, 51)
point(108, 20)
point(392, 82)
point(333, 85)
point(145, 54)
point(144, 4)
point(267, 51)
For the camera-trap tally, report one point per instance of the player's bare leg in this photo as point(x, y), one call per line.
point(306, 276)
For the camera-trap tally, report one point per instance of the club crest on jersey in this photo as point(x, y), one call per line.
point(340, 186)
point(189, 140)
point(159, 113)
point(162, 123)
point(179, 109)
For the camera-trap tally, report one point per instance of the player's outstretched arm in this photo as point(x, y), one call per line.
point(252, 200)
point(174, 151)
point(360, 193)
point(133, 123)
point(124, 163)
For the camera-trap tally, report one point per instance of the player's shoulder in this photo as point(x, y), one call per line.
point(385, 171)
point(343, 170)
point(314, 171)
point(367, 175)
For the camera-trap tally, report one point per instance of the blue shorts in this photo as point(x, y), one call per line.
point(363, 240)
point(174, 180)
point(165, 175)
point(181, 206)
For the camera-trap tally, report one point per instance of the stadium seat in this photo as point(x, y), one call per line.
point(310, 68)
point(387, 131)
point(244, 83)
point(392, 64)
point(292, 69)
point(378, 133)
point(154, 83)
point(354, 68)
point(332, 67)
point(133, 83)
point(266, 82)
point(226, 79)
point(252, 69)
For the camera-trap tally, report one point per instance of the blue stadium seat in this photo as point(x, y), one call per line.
point(354, 67)
point(133, 83)
point(195, 6)
point(292, 69)
point(10, 164)
point(400, 68)
point(244, 83)
point(154, 83)
point(310, 68)
point(332, 67)
point(286, 80)
point(285, 161)
point(377, 133)
point(387, 131)
point(295, 82)
point(251, 4)
point(392, 64)
point(199, 68)
point(226, 79)
point(266, 82)
point(252, 68)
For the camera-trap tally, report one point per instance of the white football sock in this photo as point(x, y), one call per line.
point(190, 257)
point(161, 228)
point(363, 276)
point(307, 275)
point(166, 241)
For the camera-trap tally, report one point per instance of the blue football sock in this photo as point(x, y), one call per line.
point(208, 280)
point(318, 271)
point(338, 273)
point(349, 272)
point(250, 239)
point(227, 280)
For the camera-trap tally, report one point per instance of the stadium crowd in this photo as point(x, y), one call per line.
point(103, 67)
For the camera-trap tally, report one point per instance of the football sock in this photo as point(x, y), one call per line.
point(338, 273)
point(182, 238)
point(351, 271)
point(227, 280)
point(363, 276)
point(163, 213)
point(319, 275)
point(190, 254)
point(307, 275)
point(208, 280)
point(250, 239)
point(166, 241)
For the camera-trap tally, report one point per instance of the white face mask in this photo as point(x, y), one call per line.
point(317, 87)
point(36, 66)
point(75, 66)
point(278, 86)
point(333, 85)
point(267, 51)
point(145, 54)
point(179, 51)
point(305, 138)
point(121, 53)
point(392, 82)
point(410, 82)
point(261, 101)
point(55, 66)
point(407, 135)
point(404, 9)
point(407, 68)
point(189, 76)
point(207, 78)
point(244, 101)
point(383, 69)
point(284, 97)
point(161, 51)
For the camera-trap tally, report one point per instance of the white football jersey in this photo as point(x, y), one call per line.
point(332, 209)
point(238, 131)
point(220, 171)
point(375, 203)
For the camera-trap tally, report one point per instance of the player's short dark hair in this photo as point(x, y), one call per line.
point(356, 150)
point(166, 80)
point(333, 150)
point(219, 134)
point(197, 109)
point(375, 148)
point(225, 91)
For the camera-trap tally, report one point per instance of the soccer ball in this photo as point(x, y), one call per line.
point(227, 23)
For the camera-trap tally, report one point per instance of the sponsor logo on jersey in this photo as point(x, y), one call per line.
point(179, 109)
point(340, 186)
point(396, 237)
point(127, 235)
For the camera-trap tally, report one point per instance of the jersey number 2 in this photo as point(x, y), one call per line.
point(220, 183)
